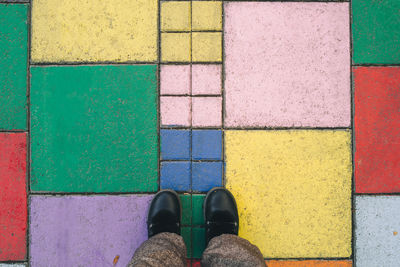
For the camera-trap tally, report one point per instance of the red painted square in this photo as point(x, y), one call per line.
point(377, 129)
point(13, 203)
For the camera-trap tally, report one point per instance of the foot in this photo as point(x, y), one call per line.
point(164, 213)
point(220, 213)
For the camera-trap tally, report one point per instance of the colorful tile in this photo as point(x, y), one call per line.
point(197, 209)
point(175, 111)
point(303, 75)
point(377, 129)
point(206, 79)
point(198, 242)
point(67, 231)
point(175, 16)
point(175, 47)
point(308, 263)
point(94, 31)
point(206, 47)
point(206, 111)
point(175, 144)
point(206, 175)
point(175, 80)
point(13, 203)
point(175, 175)
point(186, 233)
point(11, 265)
point(377, 224)
point(13, 66)
point(186, 201)
point(89, 133)
point(206, 16)
point(206, 145)
point(376, 31)
point(293, 190)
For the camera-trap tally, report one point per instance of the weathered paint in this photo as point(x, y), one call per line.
point(94, 30)
point(377, 129)
point(376, 31)
point(206, 111)
point(308, 263)
point(13, 66)
point(94, 129)
point(175, 80)
point(86, 230)
point(293, 190)
point(13, 203)
point(175, 111)
point(377, 223)
point(287, 64)
point(206, 79)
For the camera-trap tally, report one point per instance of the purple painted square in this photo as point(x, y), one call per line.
point(86, 230)
point(206, 175)
point(175, 175)
point(287, 64)
point(175, 79)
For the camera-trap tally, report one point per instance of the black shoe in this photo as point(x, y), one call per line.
point(164, 213)
point(220, 213)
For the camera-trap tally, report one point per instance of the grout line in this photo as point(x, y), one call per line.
point(375, 65)
point(353, 226)
point(48, 193)
point(158, 96)
point(14, 131)
point(257, 128)
point(223, 156)
point(28, 139)
point(189, 95)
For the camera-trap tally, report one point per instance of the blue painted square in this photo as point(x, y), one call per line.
point(206, 175)
point(175, 144)
point(175, 175)
point(206, 145)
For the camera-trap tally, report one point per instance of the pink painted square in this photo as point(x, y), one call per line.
point(206, 79)
point(175, 80)
point(206, 111)
point(175, 111)
point(287, 64)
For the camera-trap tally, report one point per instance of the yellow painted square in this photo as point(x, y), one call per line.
point(175, 16)
point(175, 47)
point(206, 15)
point(293, 190)
point(94, 30)
point(207, 47)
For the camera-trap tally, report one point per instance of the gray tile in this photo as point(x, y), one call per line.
point(376, 231)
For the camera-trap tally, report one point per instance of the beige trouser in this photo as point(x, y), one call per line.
point(168, 249)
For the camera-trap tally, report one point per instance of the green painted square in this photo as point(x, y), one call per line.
point(186, 233)
point(13, 66)
point(186, 209)
point(376, 31)
point(197, 209)
point(198, 242)
point(94, 129)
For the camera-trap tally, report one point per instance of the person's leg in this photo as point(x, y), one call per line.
point(233, 251)
point(165, 246)
point(224, 247)
point(164, 249)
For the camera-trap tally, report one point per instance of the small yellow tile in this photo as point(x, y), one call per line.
point(206, 15)
point(175, 16)
point(94, 30)
point(207, 47)
point(293, 190)
point(175, 47)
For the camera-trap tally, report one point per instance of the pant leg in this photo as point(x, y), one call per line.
point(231, 251)
point(164, 249)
